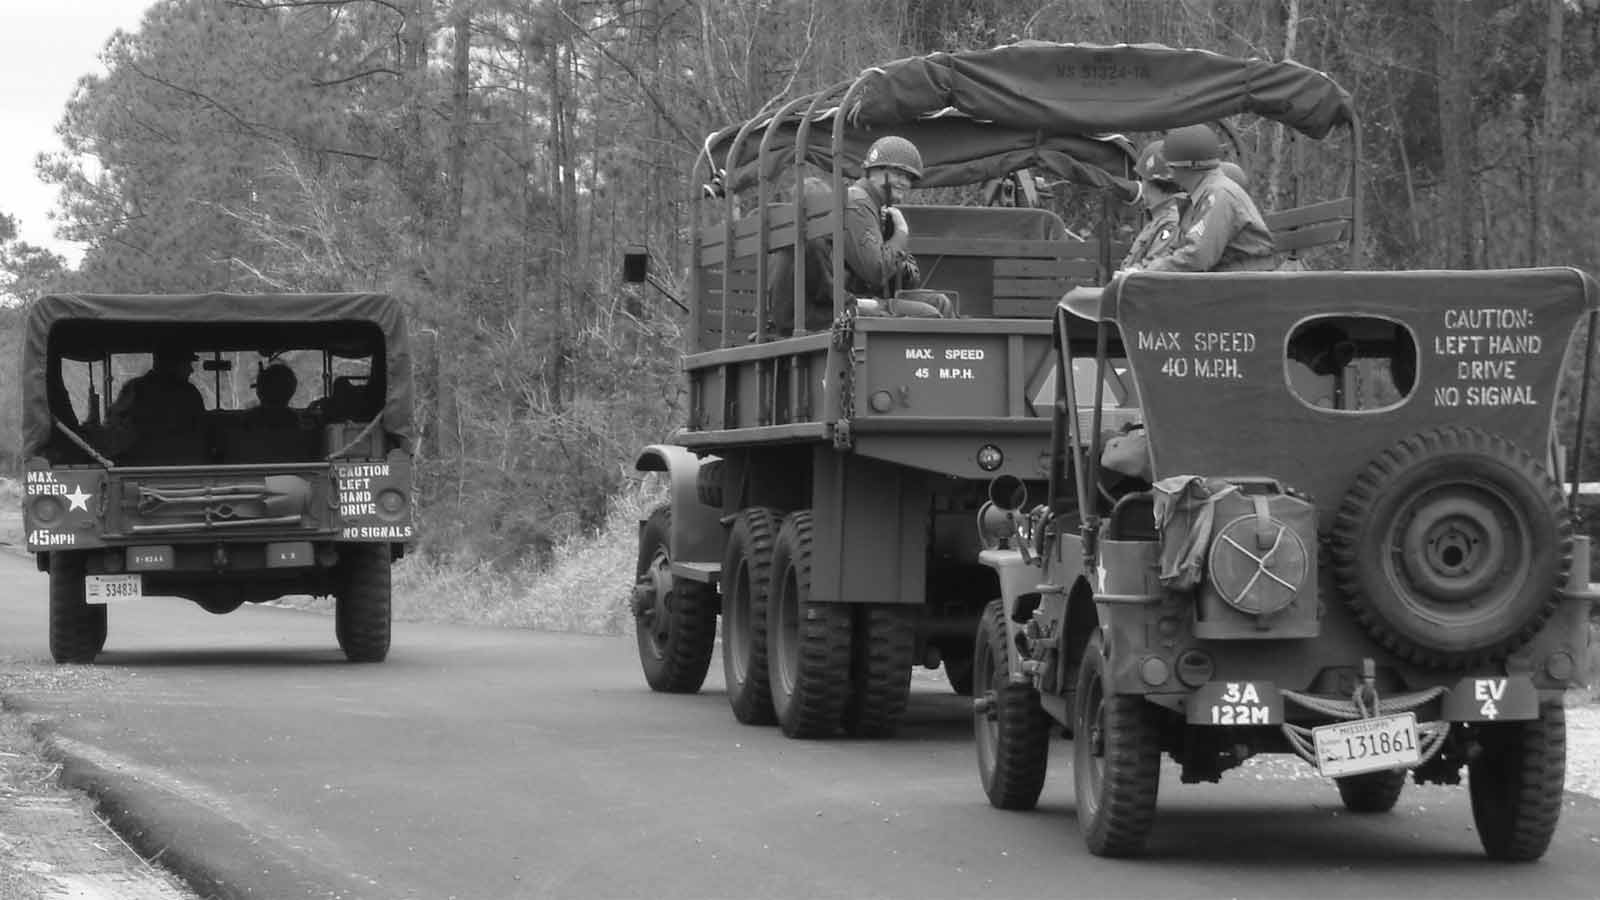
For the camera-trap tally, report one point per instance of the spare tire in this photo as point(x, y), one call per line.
point(1450, 547)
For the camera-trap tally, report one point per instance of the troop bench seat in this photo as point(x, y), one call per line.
point(995, 262)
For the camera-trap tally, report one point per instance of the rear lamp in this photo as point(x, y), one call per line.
point(990, 458)
point(1195, 667)
point(46, 510)
point(1154, 671)
point(390, 502)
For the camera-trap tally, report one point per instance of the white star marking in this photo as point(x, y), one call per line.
point(78, 499)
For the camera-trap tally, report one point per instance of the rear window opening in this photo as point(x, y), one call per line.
point(277, 404)
point(1351, 363)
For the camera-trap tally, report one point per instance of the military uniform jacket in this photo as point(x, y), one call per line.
point(1158, 235)
point(1220, 231)
point(872, 266)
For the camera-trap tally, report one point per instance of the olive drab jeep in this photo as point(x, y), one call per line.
point(180, 483)
point(825, 486)
point(1350, 543)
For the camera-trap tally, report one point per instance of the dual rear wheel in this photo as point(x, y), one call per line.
point(810, 666)
point(833, 665)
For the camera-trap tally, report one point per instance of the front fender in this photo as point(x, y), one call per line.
point(1018, 578)
point(697, 534)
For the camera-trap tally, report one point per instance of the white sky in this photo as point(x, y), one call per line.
point(45, 47)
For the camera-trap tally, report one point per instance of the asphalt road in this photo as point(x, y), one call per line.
point(484, 763)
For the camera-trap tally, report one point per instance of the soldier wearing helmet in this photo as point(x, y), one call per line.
point(875, 257)
point(1221, 230)
point(158, 416)
point(876, 261)
point(1162, 200)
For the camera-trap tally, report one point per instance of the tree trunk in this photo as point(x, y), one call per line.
point(1550, 134)
point(560, 263)
point(1291, 32)
point(416, 169)
point(459, 119)
point(1454, 61)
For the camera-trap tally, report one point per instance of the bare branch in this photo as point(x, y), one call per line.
point(633, 73)
point(215, 104)
point(264, 5)
point(332, 82)
point(799, 61)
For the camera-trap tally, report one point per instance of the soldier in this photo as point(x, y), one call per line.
point(875, 258)
point(275, 386)
point(1222, 230)
point(157, 417)
point(876, 261)
point(1164, 203)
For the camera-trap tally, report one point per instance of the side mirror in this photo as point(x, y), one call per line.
point(635, 264)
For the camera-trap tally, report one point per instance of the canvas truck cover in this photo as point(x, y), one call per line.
point(87, 326)
point(1210, 356)
point(1058, 102)
point(1093, 88)
point(956, 150)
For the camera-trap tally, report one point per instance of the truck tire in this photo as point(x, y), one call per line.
point(1116, 761)
point(1450, 546)
point(884, 644)
point(809, 641)
point(1372, 792)
point(958, 671)
point(77, 628)
point(361, 606)
point(746, 583)
point(1516, 784)
point(1012, 729)
point(675, 621)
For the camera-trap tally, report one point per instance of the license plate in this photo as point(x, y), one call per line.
point(1366, 745)
point(106, 588)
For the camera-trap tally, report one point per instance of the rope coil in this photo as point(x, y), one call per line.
point(1364, 703)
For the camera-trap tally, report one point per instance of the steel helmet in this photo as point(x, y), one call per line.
point(1192, 147)
point(1152, 165)
point(1233, 171)
point(895, 152)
